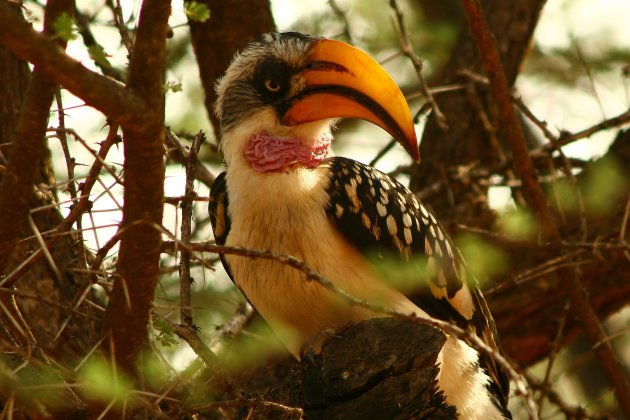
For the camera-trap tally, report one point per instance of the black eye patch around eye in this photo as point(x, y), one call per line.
point(272, 79)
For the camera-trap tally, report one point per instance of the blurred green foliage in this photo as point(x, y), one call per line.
point(517, 224)
point(33, 385)
point(102, 383)
point(567, 66)
point(372, 28)
point(405, 276)
point(257, 345)
point(484, 260)
point(601, 186)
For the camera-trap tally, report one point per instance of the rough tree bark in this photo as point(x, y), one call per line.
point(139, 109)
point(131, 300)
point(24, 292)
point(234, 24)
point(529, 314)
point(466, 139)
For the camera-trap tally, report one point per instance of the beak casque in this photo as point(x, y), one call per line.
point(341, 81)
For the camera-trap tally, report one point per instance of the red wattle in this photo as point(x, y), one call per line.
point(271, 154)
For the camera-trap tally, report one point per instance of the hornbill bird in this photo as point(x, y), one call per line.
point(282, 193)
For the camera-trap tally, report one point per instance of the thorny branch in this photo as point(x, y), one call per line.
point(407, 49)
point(501, 92)
point(137, 271)
point(28, 142)
point(83, 23)
point(312, 275)
point(186, 228)
point(580, 304)
point(553, 397)
point(78, 209)
point(103, 93)
point(177, 151)
point(343, 16)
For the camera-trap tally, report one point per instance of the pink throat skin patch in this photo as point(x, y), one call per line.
point(271, 154)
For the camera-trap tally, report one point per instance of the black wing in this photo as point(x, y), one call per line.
point(219, 217)
point(382, 218)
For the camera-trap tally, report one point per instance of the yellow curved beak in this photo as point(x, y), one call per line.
point(341, 81)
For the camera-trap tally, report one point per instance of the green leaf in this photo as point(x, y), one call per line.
point(97, 53)
point(173, 86)
point(166, 336)
point(197, 12)
point(64, 27)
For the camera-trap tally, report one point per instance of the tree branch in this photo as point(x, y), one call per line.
point(234, 23)
point(104, 94)
point(28, 142)
point(187, 211)
point(128, 312)
point(580, 305)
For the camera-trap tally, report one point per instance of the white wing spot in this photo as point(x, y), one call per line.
point(424, 211)
point(385, 186)
point(438, 249)
point(440, 234)
point(391, 225)
point(338, 210)
point(427, 246)
point(376, 231)
point(406, 220)
point(463, 302)
point(351, 190)
point(407, 252)
point(408, 237)
point(416, 205)
point(448, 249)
point(425, 221)
point(384, 198)
point(382, 210)
point(366, 220)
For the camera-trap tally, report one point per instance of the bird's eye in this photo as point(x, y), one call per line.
point(272, 86)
